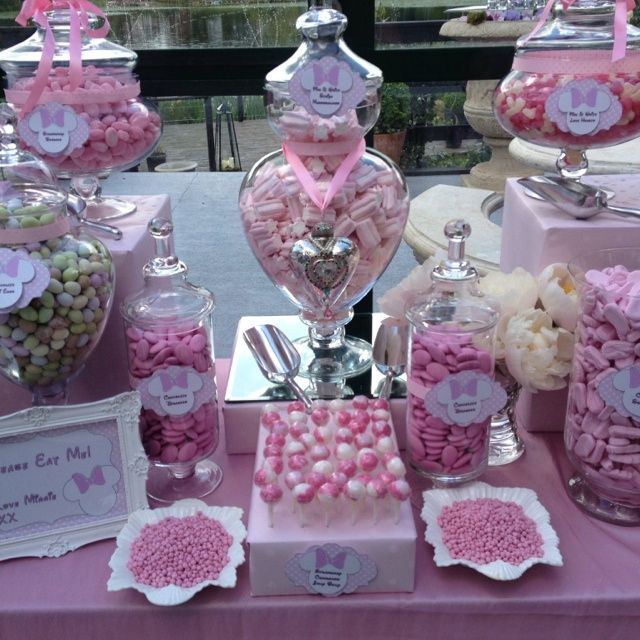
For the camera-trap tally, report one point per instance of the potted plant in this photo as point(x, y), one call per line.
point(391, 129)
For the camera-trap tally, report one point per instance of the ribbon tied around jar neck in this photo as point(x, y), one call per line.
point(79, 20)
point(619, 24)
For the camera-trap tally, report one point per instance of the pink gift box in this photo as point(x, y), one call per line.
point(536, 234)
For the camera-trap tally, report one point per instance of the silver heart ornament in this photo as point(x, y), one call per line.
point(325, 263)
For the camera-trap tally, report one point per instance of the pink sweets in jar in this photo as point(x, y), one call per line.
point(602, 429)
point(574, 84)
point(324, 216)
point(451, 391)
point(170, 352)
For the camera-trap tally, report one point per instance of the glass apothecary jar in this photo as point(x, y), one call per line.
point(79, 104)
point(323, 215)
point(56, 282)
point(602, 429)
point(451, 393)
point(574, 83)
point(169, 335)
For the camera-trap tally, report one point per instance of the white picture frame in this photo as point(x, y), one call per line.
point(69, 475)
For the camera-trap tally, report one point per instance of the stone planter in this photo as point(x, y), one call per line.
point(390, 144)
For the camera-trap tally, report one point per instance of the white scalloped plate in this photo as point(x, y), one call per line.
point(436, 499)
point(122, 578)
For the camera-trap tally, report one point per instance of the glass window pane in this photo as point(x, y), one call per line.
point(163, 24)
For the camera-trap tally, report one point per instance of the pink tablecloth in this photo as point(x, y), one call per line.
point(595, 596)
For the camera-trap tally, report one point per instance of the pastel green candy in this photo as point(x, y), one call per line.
point(47, 218)
point(90, 292)
point(31, 209)
point(70, 273)
point(56, 345)
point(27, 222)
point(28, 313)
point(78, 328)
point(75, 315)
point(60, 334)
point(91, 328)
point(44, 315)
point(59, 261)
point(98, 315)
point(5, 331)
point(84, 250)
point(45, 251)
point(47, 300)
point(40, 350)
point(30, 343)
point(62, 311)
point(80, 302)
point(72, 287)
point(85, 266)
point(35, 255)
point(51, 366)
point(55, 286)
point(33, 369)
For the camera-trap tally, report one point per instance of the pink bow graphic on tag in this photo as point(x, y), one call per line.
point(96, 477)
point(322, 559)
point(56, 118)
point(330, 76)
point(634, 378)
point(470, 389)
point(168, 382)
point(11, 268)
point(588, 98)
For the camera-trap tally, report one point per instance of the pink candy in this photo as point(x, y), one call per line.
point(520, 108)
point(179, 438)
point(436, 447)
point(121, 129)
point(180, 551)
point(603, 443)
point(484, 530)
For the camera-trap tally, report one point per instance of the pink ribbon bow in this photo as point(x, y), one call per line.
point(167, 382)
point(619, 24)
point(49, 119)
point(458, 389)
point(96, 477)
point(322, 559)
point(79, 18)
point(330, 76)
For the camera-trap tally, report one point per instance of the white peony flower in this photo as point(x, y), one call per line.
point(513, 291)
point(558, 295)
point(396, 301)
point(537, 354)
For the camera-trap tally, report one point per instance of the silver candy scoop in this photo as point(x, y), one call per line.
point(578, 199)
point(78, 206)
point(390, 352)
point(277, 358)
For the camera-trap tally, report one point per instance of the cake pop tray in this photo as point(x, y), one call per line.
point(247, 389)
point(279, 555)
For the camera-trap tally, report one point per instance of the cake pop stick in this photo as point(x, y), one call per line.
point(400, 491)
point(303, 493)
point(376, 490)
point(356, 492)
point(327, 494)
point(271, 494)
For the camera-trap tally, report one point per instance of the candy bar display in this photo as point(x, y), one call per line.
point(56, 283)
point(170, 351)
point(79, 101)
point(574, 83)
point(451, 391)
point(330, 477)
point(602, 430)
point(324, 216)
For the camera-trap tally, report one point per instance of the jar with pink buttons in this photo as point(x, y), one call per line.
point(575, 83)
point(451, 392)
point(79, 101)
point(602, 428)
point(324, 215)
point(168, 326)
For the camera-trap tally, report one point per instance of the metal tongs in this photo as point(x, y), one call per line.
point(578, 199)
point(277, 358)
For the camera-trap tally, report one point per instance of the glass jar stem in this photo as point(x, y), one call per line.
point(55, 394)
point(572, 164)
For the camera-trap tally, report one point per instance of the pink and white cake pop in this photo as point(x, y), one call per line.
point(298, 428)
point(295, 448)
point(381, 428)
point(343, 434)
point(319, 452)
point(396, 466)
point(296, 405)
point(293, 478)
point(323, 434)
point(349, 467)
point(345, 451)
point(303, 494)
point(356, 491)
point(275, 463)
point(364, 441)
point(271, 494)
point(298, 462)
point(264, 476)
point(323, 466)
point(400, 491)
point(385, 445)
point(367, 459)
